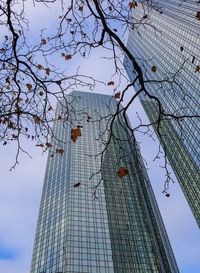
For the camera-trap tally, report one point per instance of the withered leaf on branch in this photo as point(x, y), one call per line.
point(29, 86)
point(48, 145)
point(14, 136)
point(75, 134)
point(39, 66)
point(132, 5)
point(10, 125)
point(153, 68)
point(77, 185)
point(197, 69)
point(37, 120)
point(117, 95)
point(39, 145)
point(122, 172)
point(43, 42)
point(198, 15)
point(47, 70)
point(110, 83)
point(19, 100)
point(60, 151)
point(68, 57)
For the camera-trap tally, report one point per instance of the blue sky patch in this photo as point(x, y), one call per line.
point(7, 254)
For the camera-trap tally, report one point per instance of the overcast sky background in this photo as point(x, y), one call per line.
point(20, 190)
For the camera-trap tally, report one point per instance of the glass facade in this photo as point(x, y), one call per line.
point(170, 42)
point(116, 230)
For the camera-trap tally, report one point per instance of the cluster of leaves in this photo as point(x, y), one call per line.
point(31, 81)
point(30, 84)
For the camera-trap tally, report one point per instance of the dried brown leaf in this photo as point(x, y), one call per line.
point(197, 69)
point(39, 145)
point(37, 120)
point(39, 66)
point(43, 42)
point(198, 15)
point(68, 57)
point(60, 151)
point(75, 134)
point(48, 145)
point(122, 172)
point(110, 83)
point(80, 8)
point(29, 86)
point(132, 5)
point(47, 70)
point(154, 68)
point(117, 95)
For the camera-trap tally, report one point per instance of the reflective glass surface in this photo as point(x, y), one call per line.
point(116, 230)
point(170, 41)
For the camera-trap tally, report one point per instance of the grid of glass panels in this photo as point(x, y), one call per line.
point(171, 42)
point(139, 240)
point(110, 232)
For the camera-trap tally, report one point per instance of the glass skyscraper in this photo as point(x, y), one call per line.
point(108, 222)
point(166, 46)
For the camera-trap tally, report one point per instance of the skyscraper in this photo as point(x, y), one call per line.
point(166, 46)
point(91, 221)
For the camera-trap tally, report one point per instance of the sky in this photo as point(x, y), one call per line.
point(20, 189)
point(20, 192)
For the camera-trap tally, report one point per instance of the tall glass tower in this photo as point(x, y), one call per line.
point(108, 222)
point(166, 46)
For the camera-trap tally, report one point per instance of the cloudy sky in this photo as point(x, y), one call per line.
point(20, 190)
